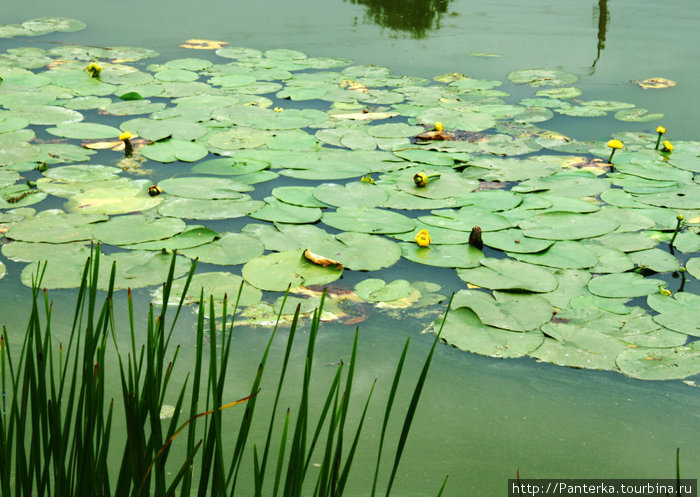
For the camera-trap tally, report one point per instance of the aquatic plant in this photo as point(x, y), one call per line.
point(57, 432)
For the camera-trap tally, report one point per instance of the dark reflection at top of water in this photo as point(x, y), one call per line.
point(416, 17)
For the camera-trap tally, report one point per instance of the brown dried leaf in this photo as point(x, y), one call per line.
point(196, 44)
point(320, 260)
point(656, 83)
point(434, 135)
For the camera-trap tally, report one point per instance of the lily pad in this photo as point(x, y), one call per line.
point(358, 251)
point(218, 285)
point(191, 208)
point(276, 272)
point(464, 330)
point(567, 226)
point(352, 194)
point(504, 274)
point(368, 220)
point(376, 290)
point(276, 211)
point(579, 347)
point(204, 188)
point(624, 285)
point(660, 364)
point(563, 255)
point(136, 228)
point(456, 256)
point(174, 149)
point(542, 77)
point(230, 249)
point(509, 311)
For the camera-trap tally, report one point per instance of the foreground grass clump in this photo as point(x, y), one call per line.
point(56, 434)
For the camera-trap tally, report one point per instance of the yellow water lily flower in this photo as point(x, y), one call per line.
point(614, 145)
point(664, 291)
point(94, 69)
point(126, 138)
point(420, 179)
point(367, 179)
point(154, 190)
point(439, 126)
point(660, 130)
point(423, 238)
point(668, 147)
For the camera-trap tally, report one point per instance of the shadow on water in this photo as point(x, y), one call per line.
point(603, 21)
point(416, 17)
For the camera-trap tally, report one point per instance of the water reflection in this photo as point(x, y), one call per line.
point(416, 17)
point(603, 20)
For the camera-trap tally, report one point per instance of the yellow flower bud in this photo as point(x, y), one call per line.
point(616, 144)
point(668, 147)
point(664, 291)
point(278, 109)
point(125, 136)
point(154, 190)
point(420, 179)
point(661, 130)
point(439, 126)
point(423, 238)
point(680, 217)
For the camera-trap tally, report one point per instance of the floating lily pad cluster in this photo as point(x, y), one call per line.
point(568, 240)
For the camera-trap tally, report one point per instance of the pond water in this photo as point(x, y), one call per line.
point(480, 419)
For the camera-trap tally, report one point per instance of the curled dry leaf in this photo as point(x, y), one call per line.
point(320, 260)
point(434, 135)
point(656, 83)
point(195, 44)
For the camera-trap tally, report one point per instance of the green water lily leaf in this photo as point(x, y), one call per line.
point(368, 220)
point(33, 251)
point(219, 285)
point(624, 285)
point(84, 131)
point(453, 119)
point(637, 115)
point(610, 259)
point(563, 255)
point(134, 107)
point(47, 114)
point(445, 186)
point(83, 173)
point(277, 271)
point(466, 218)
point(277, 211)
point(505, 274)
point(238, 138)
point(230, 249)
point(351, 194)
point(542, 77)
point(229, 166)
point(108, 197)
point(136, 228)
point(54, 226)
point(580, 111)
point(192, 236)
point(12, 123)
point(357, 251)
point(376, 290)
point(678, 313)
point(158, 129)
point(660, 363)
point(456, 256)
point(572, 283)
point(567, 184)
point(301, 196)
point(514, 240)
point(629, 242)
point(204, 188)
point(191, 208)
point(509, 311)
point(394, 130)
point(687, 242)
point(44, 25)
point(680, 198)
point(464, 330)
point(567, 226)
point(283, 237)
point(173, 149)
point(563, 93)
point(655, 259)
point(579, 347)
point(430, 157)
point(693, 267)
